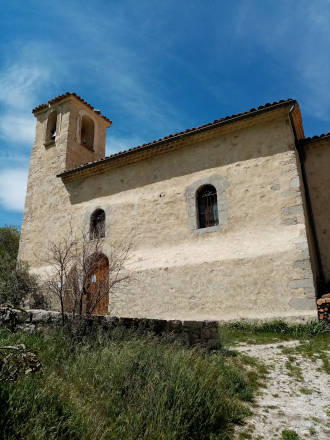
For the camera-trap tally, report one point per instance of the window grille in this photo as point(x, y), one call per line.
point(207, 207)
point(97, 224)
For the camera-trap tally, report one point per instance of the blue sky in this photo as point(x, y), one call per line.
point(155, 68)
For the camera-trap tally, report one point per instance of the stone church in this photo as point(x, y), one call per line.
point(230, 219)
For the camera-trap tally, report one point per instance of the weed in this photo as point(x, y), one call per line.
point(312, 431)
point(316, 347)
point(305, 390)
point(244, 435)
point(289, 434)
point(294, 370)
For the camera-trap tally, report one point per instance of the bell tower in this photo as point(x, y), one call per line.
point(69, 133)
point(73, 128)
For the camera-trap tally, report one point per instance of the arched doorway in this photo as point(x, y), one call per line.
point(97, 300)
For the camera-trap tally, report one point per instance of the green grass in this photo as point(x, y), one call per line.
point(288, 434)
point(314, 339)
point(123, 386)
point(312, 431)
point(270, 332)
point(305, 390)
point(293, 368)
point(315, 347)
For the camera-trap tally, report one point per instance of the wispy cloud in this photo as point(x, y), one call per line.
point(27, 71)
point(125, 64)
point(22, 79)
point(20, 82)
point(17, 128)
point(12, 188)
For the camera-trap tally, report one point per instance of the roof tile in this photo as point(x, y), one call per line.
point(65, 95)
point(213, 124)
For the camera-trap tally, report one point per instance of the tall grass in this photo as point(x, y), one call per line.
point(120, 386)
point(272, 331)
point(310, 329)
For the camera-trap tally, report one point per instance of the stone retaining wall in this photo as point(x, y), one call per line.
point(204, 333)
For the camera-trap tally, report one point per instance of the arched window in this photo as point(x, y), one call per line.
point(51, 127)
point(97, 224)
point(207, 206)
point(87, 132)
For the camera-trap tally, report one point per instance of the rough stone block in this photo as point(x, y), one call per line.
point(275, 187)
point(302, 303)
point(293, 210)
point(297, 284)
point(290, 221)
point(295, 183)
point(302, 264)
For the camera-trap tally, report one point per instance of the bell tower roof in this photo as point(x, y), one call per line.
point(43, 107)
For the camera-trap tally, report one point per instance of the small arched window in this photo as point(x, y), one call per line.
point(51, 127)
point(207, 206)
point(97, 225)
point(87, 132)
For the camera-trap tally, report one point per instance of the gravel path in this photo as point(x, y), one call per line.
point(297, 400)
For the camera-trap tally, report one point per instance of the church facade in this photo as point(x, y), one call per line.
point(228, 220)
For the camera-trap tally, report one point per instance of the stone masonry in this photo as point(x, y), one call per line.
point(260, 262)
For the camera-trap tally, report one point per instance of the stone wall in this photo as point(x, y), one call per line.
point(191, 333)
point(258, 252)
point(316, 161)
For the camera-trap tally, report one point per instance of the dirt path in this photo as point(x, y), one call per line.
point(297, 396)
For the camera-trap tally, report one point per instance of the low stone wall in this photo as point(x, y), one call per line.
point(204, 333)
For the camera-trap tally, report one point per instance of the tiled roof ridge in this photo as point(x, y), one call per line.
point(188, 131)
point(315, 138)
point(65, 95)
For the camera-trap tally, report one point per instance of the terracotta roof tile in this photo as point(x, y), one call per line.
point(188, 131)
point(65, 95)
point(316, 138)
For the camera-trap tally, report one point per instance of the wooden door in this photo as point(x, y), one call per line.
point(98, 288)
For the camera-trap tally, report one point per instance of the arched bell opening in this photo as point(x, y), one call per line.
point(51, 127)
point(87, 132)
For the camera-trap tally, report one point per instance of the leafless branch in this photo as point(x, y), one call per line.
point(82, 277)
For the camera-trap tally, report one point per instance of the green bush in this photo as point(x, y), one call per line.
point(120, 386)
point(16, 284)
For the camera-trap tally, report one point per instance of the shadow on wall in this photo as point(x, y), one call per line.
point(242, 145)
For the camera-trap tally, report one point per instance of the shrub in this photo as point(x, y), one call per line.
point(16, 283)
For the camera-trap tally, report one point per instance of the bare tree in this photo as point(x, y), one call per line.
point(87, 284)
point(60, 257)
point(82, 277)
